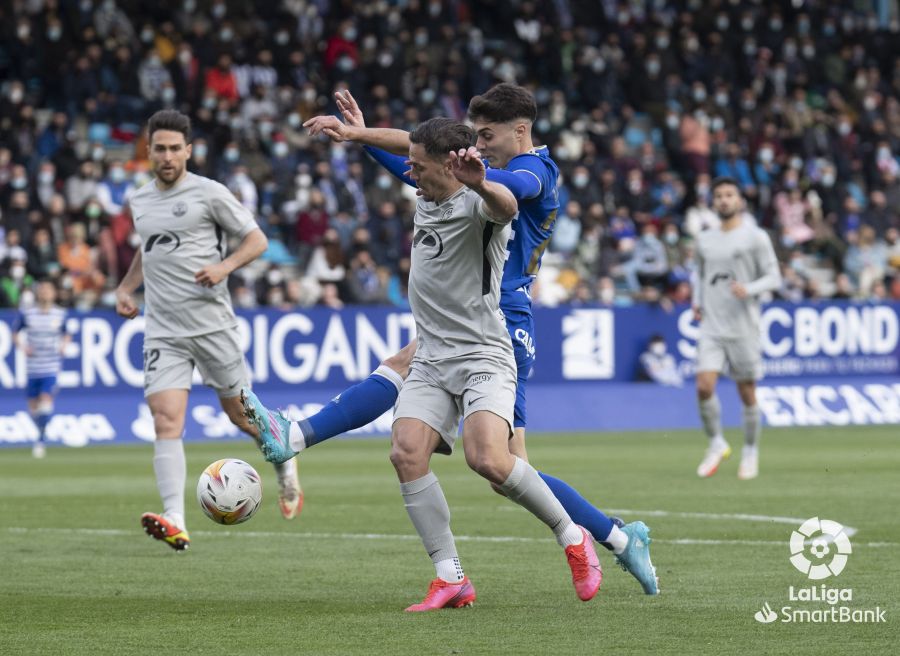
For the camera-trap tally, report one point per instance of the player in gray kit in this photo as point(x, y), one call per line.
point(183, 220)
point(735, 265)
point(464, 366)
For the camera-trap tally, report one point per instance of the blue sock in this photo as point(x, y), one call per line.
point(42, 419)
point(579, 509)
point(355, 407)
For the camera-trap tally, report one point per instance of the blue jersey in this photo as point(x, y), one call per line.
point(45, 330)
point(532, 229)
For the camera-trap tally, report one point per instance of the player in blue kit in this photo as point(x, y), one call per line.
point(40, 331)
point(502, 118)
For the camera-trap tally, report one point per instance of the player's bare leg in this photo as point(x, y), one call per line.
point(711, 416)
point(412, 443)
point(168, 408)
point(290, 494)
point(749, 467)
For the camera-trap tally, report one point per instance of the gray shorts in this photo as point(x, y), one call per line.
point(739, 359)
point(169, 363)
point(442, 393)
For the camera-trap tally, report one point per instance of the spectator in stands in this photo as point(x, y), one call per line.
point(658, 365)
point(80, 261)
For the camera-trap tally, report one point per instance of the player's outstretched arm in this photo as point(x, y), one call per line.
point(468, 167)
point(251, 247)
point(125, 305)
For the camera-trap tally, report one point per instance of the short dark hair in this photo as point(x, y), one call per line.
point(170, 119)
point(725, 180)
point(441, 135)
point(503, 103)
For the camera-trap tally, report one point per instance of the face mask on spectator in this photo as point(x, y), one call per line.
point(46, 177)
point(790, 50)
point(226, 34)
point(294, 120)
point(18, 183)
point(232, 154)
point(421, 39)
point(274, 277)
point(209, 102)
point(671, 238)
point(309, 95)
point(385, 59)
point(383, 181)
point(699, 94)
point(796, 163)
point(844, 128)
point(346, 64)
point(147, 35)
point(282, 37)
point(658, 348)
point(653, 67)
point(304, 180)
point(750, 48)
point(580, 180)
point(662, 42)
point(219, 9)
point(829, 29)
point(607, 295)
point(154, 60)
point(23, 32)
point(17, 271)
point(54, 33)
point(280, 149)
point(766, 155)
point(775, 25)
point(828, 179)
point(884, 153)
point(168, 95)
point(598, 65)
point(97, 154)
point(747, 23)
point(693, 45)
point(185, 57)
point(717, 124)
point(266, 128)
point(190, 6)
point(721, 99)
point(16, 95)
point(117, 174)
point(109, 5)
point(809, 51)
point(870, 103)
point(92, 211)
point(672, 121)
point(722, 23)
point(200, 150)
point(748, 104)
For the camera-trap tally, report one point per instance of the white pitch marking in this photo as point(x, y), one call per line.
point(399, 536)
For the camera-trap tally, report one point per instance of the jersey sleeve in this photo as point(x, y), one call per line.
point(228, 212)
point(395, 164)
point(18, 323)
point(531, 172)
point(768, 274)
point(524, 184)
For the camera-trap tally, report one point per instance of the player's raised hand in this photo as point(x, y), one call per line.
point(698, 313)
point(211, 274)
point(349, 109)
point(467, 166)
point(125, 305)
point(331, 126)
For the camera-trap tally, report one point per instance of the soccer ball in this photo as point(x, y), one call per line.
point(229, 491)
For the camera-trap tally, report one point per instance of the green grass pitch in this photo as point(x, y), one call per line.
point(78, 576)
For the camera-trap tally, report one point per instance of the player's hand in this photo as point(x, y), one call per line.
point(125, 305)
point(349, 109)
point(698, 314)
point(738, 290)
point(331, 126)
point(211, 275)
point(467, 167)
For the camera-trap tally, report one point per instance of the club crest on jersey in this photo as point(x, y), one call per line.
point(447, 213)
point(179, 209)
point(429, 243)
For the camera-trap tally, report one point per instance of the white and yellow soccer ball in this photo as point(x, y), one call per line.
point(229, 491)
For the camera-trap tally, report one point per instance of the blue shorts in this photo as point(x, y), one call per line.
point(37, 386)
point(521, 329)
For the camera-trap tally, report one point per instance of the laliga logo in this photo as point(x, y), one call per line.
point(820, 548)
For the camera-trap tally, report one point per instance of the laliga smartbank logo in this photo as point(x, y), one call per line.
point(819, 549)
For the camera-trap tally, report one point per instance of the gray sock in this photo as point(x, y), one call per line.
point(752, 425)
point(711, 414)
point(430, 514)
point(525, 486)
point(170, 469)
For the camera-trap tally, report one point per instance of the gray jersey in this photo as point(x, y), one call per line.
point(183, 229)
point(454, 283)
point(745, 255)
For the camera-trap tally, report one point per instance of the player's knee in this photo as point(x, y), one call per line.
point(404, 456)
point(487, 466)
point(167, 423)
point(705, 389)
point(399, 362)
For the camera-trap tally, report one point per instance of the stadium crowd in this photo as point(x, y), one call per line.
point(641, 103)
